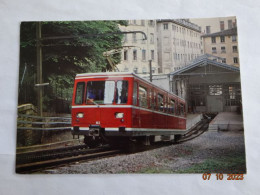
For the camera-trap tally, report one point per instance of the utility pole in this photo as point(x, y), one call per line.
point(151, 73)
point(39, 67)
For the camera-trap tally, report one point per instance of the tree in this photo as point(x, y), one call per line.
point(68, 48)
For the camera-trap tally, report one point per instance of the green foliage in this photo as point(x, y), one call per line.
point(68, 48)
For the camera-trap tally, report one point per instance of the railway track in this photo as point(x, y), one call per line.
point(35, 161)
point(29, 162)
point(196, 131)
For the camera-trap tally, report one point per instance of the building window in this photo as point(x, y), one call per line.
point(151, 38)
point(235, 60)
point(125, 55)
point(125, 38)
point(223, 49)
point(152, 54)
point(144, 71)
point(232, 93)
point(142, 23)
point(134, 38)
point(166, 40)
point(213, 39)
point(222, 39)
point(207, 29)
point(143, 54)
point(234, 38)
point(234, 49)
point(222, 25)
point(167, 57)
point(214, 50)
point(235, 23)
point(165, 26)
point(135, 70)
point(134, 21)
point(224, 60)
point(151, 23)
point(134, 55)
point(229, 24)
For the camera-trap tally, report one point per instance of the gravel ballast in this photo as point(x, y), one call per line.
point(222, 152)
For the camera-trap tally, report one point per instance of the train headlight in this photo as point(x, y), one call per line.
point(80, 115)
point(119, 115)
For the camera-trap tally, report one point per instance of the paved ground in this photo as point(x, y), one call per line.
point(214, 152)
point(227, 121)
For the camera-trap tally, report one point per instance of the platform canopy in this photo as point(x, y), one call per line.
point(205, 60)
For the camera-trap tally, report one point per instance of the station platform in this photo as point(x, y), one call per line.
point(227, 121)
point(192, 120)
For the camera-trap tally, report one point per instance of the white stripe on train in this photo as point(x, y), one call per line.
point(126, 106)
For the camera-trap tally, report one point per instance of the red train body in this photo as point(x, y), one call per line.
point(123, 104)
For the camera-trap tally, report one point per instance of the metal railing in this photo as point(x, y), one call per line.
point(31, 122)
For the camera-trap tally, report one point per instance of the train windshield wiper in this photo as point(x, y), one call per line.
point(92, 101)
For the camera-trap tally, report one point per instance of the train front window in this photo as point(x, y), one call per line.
point(79, 93)
point(121, 92)
point(100, 92)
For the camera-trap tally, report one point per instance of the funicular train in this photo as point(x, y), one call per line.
point(123, 107)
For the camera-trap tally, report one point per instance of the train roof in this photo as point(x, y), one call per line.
point(117, 74)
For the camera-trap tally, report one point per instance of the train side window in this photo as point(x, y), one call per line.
point(181, 109)
point(80, 93)
point(160, 102)
point(172, 106)
point(152, 99)
point(177, 111)
point(121, 92)
point(143, 97)
point(135, 94)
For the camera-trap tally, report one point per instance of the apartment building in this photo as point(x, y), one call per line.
point(137, 52)
point(223, 44)
point(212, 25)
point(179, 42)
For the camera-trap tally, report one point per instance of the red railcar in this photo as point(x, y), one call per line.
point(114, 106)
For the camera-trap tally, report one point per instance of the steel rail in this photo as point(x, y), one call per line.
point(33, 167)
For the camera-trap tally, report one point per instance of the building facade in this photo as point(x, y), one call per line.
point(179, 43)
point(213, 25)
point(136, 51)
point(223, 44)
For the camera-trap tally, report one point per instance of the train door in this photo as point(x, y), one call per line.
point(152, 107)
point(160, 107)
point(99, 93)
point(135, 110)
